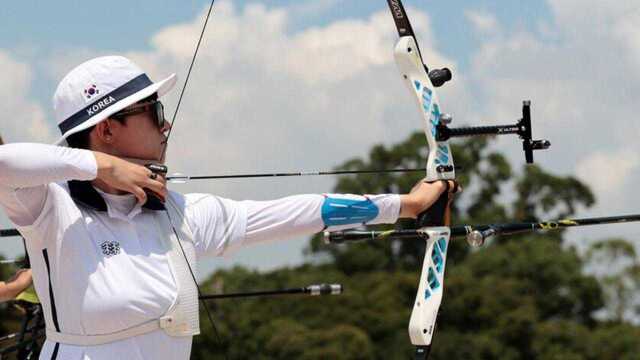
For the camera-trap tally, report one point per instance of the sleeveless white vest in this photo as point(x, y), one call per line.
point(182, 317)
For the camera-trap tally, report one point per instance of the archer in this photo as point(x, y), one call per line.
point(113, 251)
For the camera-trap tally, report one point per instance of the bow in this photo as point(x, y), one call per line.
point(440, 166)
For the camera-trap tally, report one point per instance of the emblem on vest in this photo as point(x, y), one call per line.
point(110, 248)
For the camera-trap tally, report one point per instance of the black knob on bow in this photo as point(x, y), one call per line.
point(440, 76)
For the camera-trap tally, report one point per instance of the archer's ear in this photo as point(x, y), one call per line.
point(104, 131)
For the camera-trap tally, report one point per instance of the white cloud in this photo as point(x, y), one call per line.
point(482, 21)
point(608, 173)
point(626, 30)
point(312, 7)
point(22, 119)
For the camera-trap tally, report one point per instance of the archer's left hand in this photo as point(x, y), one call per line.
point(425, 194)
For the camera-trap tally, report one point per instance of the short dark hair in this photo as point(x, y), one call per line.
point(82, 139)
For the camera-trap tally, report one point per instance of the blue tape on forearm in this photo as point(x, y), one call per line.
point(337, 211)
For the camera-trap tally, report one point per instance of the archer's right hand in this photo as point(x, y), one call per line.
point(127, 176)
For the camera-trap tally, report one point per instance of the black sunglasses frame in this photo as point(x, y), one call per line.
point(155, 106)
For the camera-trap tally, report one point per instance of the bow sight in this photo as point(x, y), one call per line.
point(521, 128)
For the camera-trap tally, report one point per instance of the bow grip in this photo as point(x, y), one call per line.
point(434, 215)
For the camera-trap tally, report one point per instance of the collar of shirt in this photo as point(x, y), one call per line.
point(124, 207)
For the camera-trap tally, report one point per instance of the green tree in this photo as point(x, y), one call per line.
point(619, 273)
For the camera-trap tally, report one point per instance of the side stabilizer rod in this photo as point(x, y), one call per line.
point(311, 290)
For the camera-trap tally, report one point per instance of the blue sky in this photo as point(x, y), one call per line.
point(126, 25)
point(33, 29)
point(317, 78)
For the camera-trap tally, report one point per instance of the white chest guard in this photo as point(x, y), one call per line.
point(182, 317)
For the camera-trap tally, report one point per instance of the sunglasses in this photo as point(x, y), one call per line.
point(155, 107)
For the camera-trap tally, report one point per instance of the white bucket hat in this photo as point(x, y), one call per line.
point(99, 88)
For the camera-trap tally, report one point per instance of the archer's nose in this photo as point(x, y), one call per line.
point(166, 126)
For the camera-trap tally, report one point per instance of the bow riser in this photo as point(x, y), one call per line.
point(439, 167)
point(429, 296)
point(439, 160)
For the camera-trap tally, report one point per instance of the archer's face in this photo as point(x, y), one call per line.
point(140, 137)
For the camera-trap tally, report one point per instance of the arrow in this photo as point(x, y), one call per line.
point(180, 178)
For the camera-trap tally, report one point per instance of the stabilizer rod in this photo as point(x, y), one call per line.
point(477, 234)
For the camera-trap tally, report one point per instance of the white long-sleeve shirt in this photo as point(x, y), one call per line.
point(98, 272)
